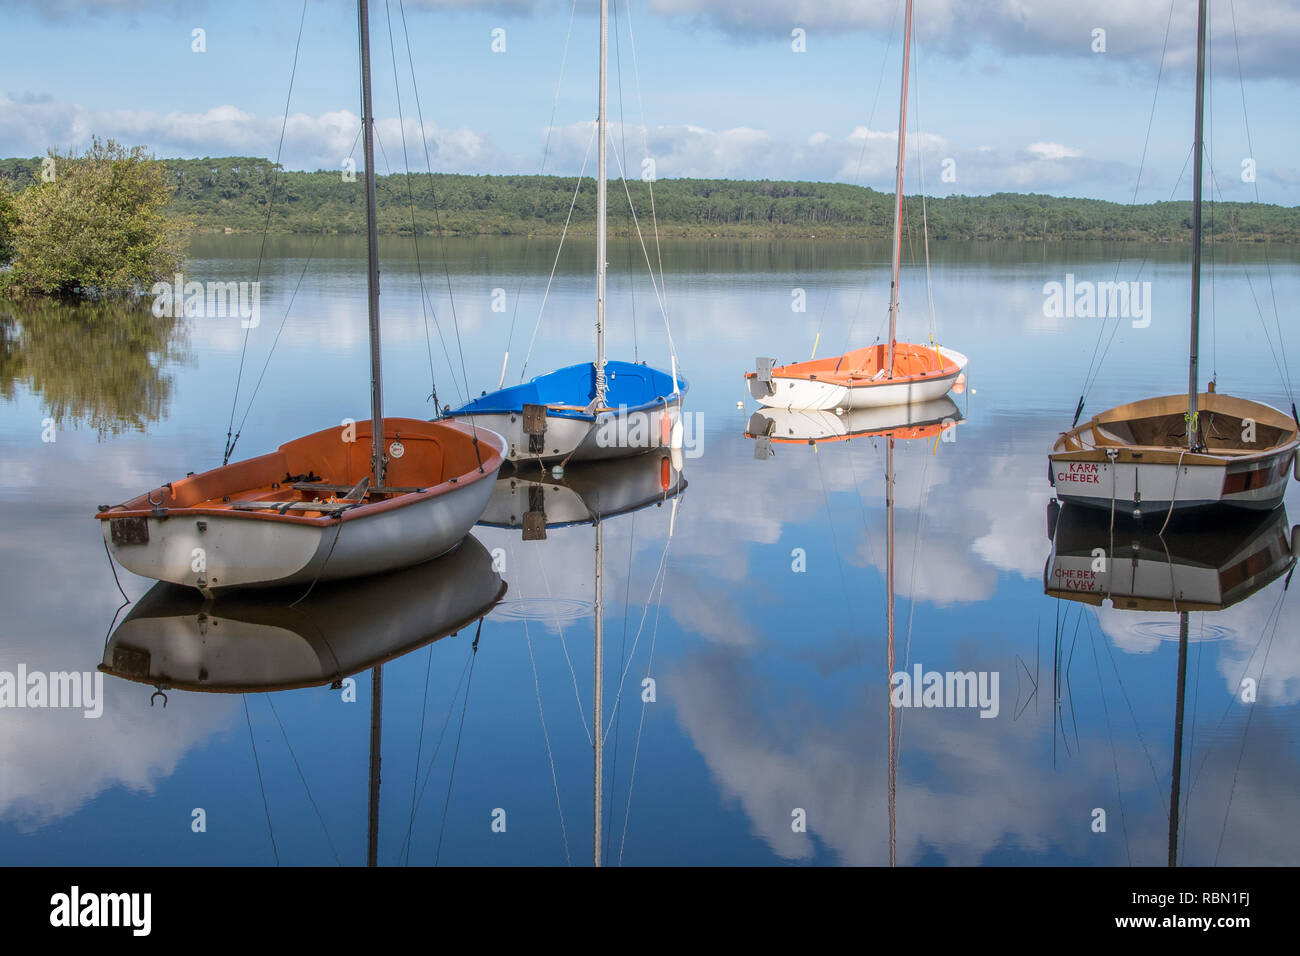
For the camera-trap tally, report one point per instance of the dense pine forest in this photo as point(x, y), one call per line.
point(232, 193)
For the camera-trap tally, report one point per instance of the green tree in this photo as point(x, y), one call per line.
point(97, 228)
point(8, 218)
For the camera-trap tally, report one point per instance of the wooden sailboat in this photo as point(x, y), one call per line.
point(596, 410)
point(897, 373)
point(319, 507)
point(1180, 452)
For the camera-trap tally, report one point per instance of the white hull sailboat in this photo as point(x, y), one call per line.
point(897, 373)
point(592, 411)
point(320, 507)
point(1180, 453)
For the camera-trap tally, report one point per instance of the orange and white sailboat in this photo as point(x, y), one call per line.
point(897, 373)
point(319, 507)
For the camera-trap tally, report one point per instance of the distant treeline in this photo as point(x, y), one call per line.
point(232, 193)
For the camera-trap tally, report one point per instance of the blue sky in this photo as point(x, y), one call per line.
point(1013, 93)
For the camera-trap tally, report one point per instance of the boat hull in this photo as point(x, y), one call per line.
point(790, 392)
point(216, 548)
point(1088, 467)
point(619, 433)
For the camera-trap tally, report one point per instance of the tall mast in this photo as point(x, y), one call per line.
point(1176, 778)
point(372, 252)
point(1193, 384)
point(597, 698)
point(376, 743)
point(898, 189)
point(600, 211)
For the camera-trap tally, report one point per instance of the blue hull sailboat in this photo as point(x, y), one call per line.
point(597, 410)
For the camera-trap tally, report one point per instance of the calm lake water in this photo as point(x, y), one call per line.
point(752, 592)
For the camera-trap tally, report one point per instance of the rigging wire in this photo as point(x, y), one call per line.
point(455, 754)
point(577, 187)
point(622, 138)
point(1110, 736)
point(857, 173)
point(546, 737)
point(451, 705)
point(270, 202)
point(1094, 366)
point(654, 638)
point(577, 695)
point(546, 152)
point(1250, 714)
point(622, 656)
point(301, 776)
point(261, 786)
point(410, 201)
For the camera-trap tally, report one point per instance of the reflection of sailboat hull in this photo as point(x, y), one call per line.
point(215, 531)
point(1198, 567)
point(586, 492)
point(245, 642)
point(1135, 457)
point(639, 399)
point(917, 420)
point(850, 381)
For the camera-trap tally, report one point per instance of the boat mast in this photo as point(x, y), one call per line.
point(1193, 385)
point(372, 253)
point(898, 190)
point(600, 211)
point(376, 743)
point(1177, 771)
point(597, 699)
point(889, 629)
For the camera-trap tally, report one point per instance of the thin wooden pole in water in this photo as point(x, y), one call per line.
point(1193, 376)
point(597, 697)
point(1175, 785)
point(376, 741)
point(898, 190)
point(372, 253)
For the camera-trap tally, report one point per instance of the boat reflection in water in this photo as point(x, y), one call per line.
point(1201, 565)
point(244, 642)
point(254, 641)
point(917, 421)
point(534, 500)
point(770, 426)
point(1206, 564)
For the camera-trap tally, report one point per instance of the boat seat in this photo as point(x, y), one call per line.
point(336, 489)
point(324, 507)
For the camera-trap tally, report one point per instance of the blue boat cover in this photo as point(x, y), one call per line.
point(629, 385)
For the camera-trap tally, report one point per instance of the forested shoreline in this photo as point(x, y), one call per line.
point(231, 194)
